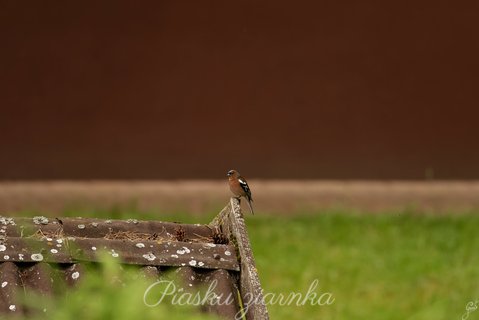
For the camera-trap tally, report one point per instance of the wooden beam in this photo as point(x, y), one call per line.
point(230, 221)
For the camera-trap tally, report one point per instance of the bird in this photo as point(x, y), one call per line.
point(239, 187)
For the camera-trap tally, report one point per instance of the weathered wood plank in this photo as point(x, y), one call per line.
point(71, 249)
point(230, 221)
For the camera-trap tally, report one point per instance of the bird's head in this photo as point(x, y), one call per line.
point(232, 174)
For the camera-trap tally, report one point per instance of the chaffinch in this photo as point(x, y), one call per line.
point(239, 187)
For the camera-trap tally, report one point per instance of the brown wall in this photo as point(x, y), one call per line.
point(284, 89)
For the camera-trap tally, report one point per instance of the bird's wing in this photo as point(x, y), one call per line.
point(245, 187)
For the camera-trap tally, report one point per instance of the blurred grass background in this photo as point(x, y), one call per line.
point(401, 265)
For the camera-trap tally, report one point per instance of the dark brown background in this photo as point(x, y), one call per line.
point(277, 89)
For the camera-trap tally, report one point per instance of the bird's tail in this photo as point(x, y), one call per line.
point(250, 205)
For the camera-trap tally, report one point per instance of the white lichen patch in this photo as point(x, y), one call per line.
point(186, 250)
point(200, 264)
point(40, 220)
point(49, 239)
point(6, 257)
point(174, 256)
point(149, 256)
point(114, 254)
point(93, 248)
point(227, 253)
point(140, 245)
point(2, 247)
point(75, 275)
point(7, 221)
point(95, 224)
point(12, 307)
point(192, 263)
point(81, 226)
point(37, 257)
point(53, 250)
point(180, 251)
point(20, 256)
point(59, 240)
point(211, 245)
point(4, 284)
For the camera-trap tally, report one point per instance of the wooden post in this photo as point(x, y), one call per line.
point(230, 221)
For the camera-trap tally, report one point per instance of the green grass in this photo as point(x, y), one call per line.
point(111, 291)
point(376, 266)
point(389, 266)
